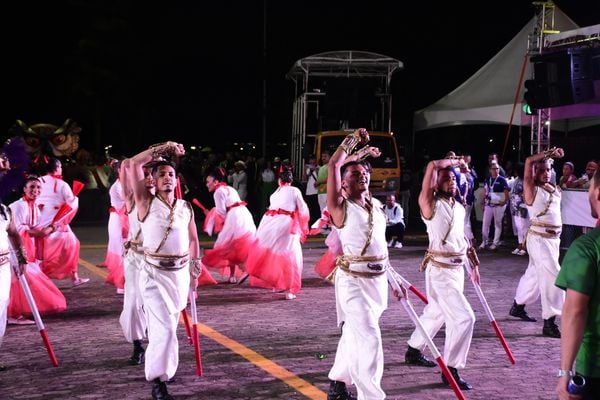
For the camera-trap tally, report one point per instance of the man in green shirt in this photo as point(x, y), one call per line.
point(580, 322)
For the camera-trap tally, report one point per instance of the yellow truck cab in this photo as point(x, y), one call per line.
point(385, 177)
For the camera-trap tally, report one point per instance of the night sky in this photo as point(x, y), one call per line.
point(134, 73)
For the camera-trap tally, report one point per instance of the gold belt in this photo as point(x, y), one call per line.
point(166, 262)
point(343, 262)
point(429, 258)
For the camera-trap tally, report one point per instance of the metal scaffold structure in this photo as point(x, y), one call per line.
point(335, 65)
point(541, 119)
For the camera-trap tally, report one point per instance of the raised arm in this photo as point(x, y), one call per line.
point(335, 196)
point(429, 184)
point(529, 173)
point(136, 171)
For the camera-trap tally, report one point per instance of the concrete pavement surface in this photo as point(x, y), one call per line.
point(257, 345)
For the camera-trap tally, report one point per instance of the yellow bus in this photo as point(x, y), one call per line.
point(385, 177)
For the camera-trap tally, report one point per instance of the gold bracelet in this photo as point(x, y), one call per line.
point(349, 143)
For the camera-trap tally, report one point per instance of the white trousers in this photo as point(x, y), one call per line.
point(540, 275)
point(132, 319)
point(492, 213)
point(359, 356)
point(521, 225)
point(5, 280)
point(468, 229)
point(447, 305)
point(164, 295)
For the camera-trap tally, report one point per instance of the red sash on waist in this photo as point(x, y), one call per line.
point(236, 204)
point(279, 211)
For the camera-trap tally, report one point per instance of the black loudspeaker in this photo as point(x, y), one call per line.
point(565, 77)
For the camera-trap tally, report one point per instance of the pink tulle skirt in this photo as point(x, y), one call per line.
point(60, 254)
point(226, 253)
point(48, 298)
point(116, 273)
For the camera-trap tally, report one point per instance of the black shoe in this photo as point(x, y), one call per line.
point(138, 356)
point(338, 391)
point(550, 328)
point(459, 381)
point(518, 310)
point(415, 357)
point(159, 391)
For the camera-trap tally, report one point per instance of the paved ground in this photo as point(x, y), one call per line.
point(256, 345)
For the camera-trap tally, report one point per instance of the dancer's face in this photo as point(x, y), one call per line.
point(32, 189)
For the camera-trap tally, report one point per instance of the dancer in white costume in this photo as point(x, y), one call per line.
point(361, 287)
point(444, 274)
point(133, 319)
point(9, 236)
point(118, 226)
point(171, 254)
point(59, 248)
point(542, 241)
point(276, 257)
point(48, 297)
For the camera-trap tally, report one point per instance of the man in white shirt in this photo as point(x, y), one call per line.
point(394, 230)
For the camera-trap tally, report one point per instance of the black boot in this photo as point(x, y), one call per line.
point(137, 358)
point(550, 328)
point(518, 310)
point(338, 391)
point(459, 381)
point(415, 357)
point(159, 391)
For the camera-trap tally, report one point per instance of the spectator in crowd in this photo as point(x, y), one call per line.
point(543, 239)
point(466, 188)
point(495, 201)
point(580, 313)
point(267, 183)
point(239, 179)
point(394, 216)
point(590, 169)
point(493, 159)
point(311, 192)
point(406, 182)
point(518, 211)
point(322, 185)
point(568, 178)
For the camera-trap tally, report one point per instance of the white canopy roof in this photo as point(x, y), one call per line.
point(488, 96)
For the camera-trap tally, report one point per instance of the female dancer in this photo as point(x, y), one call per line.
point(276, 257)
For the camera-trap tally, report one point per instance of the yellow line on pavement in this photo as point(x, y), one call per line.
point(92, 268)
point(302, 386)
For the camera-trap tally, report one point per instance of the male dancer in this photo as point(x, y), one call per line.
point(171, 254)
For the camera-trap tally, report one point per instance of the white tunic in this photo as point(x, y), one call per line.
point(53, 194)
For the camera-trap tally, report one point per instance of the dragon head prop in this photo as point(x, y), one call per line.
point(47, 139)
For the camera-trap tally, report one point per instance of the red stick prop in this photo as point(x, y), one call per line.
point(199, 205)
point(38, 319)
point(186, 322)
point(413, 289)
point(195, 339)
point(436, 354)
point(490, 316)
point(195, 332)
